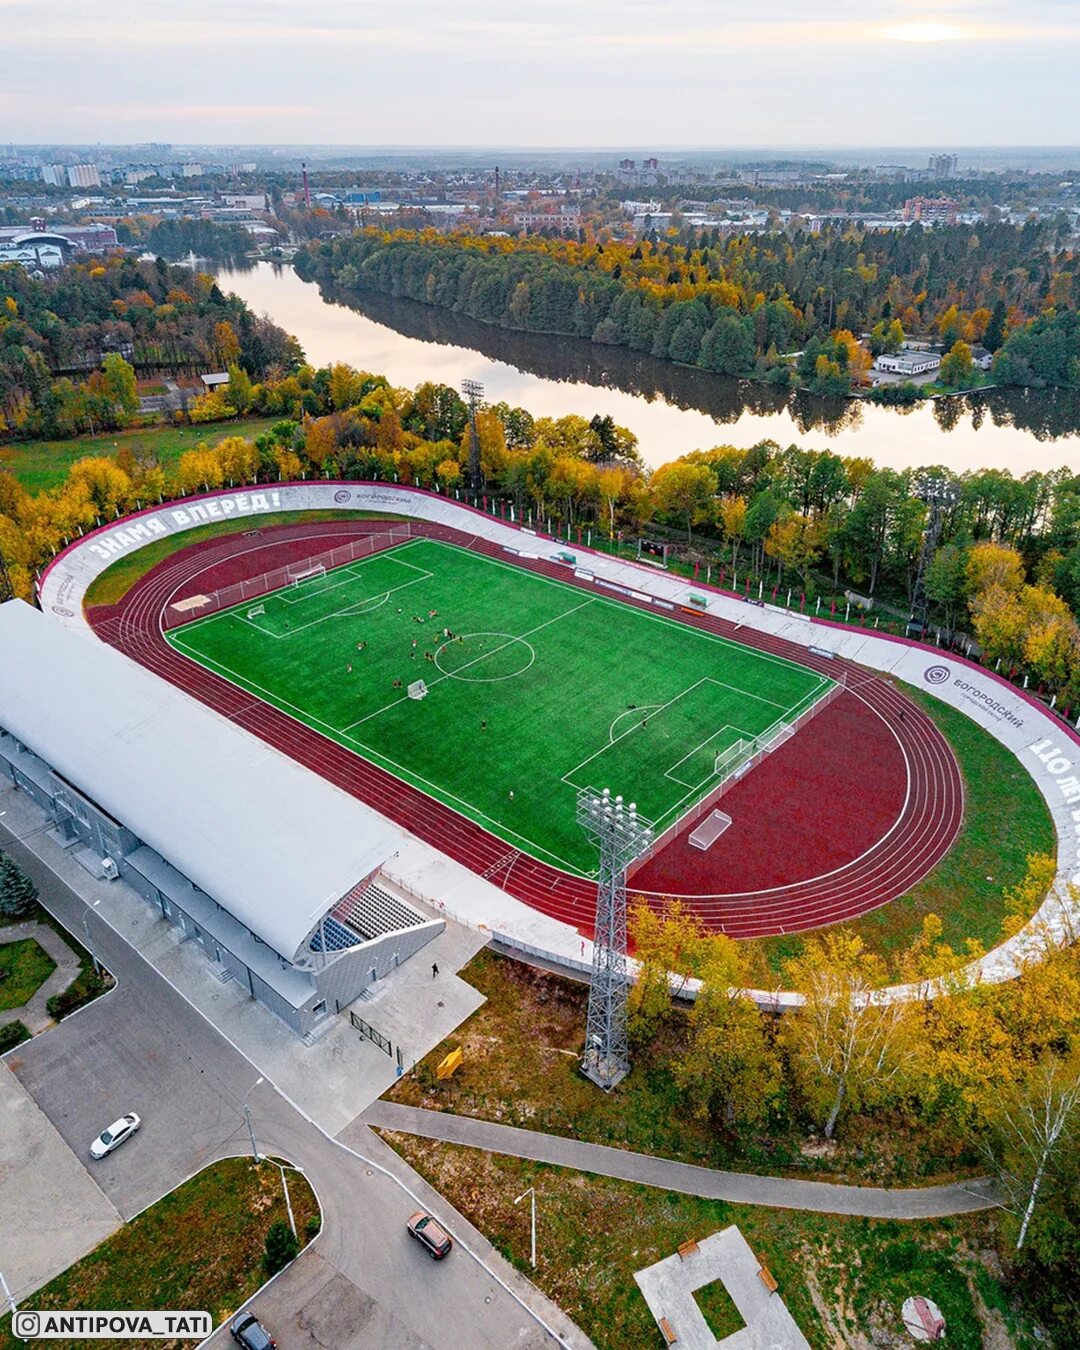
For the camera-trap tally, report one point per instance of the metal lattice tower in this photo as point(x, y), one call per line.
point(622, 836)
point(939, 494)
point(474, 392)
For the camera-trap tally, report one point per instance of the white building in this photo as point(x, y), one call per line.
point(268, 868)
point(32, 256)
point(907, 363)
point(83, 175)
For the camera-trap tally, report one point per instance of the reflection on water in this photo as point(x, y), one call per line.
point(671, 409)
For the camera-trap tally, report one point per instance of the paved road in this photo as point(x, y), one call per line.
point(741, 1188)
point(143, 1047)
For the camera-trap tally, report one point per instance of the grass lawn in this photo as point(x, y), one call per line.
point(843, 1279)
point(545, 689)
point(43, 464)
point(521, 1050)
point(200, 1247)
point(13, 1034)
point(719, 1310)
point(117, 579)
point(1005, 820)
point(24, 967)
point(87, 985)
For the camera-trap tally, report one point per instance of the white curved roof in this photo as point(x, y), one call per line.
point(271, 842)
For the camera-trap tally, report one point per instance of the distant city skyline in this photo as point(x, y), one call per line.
point(583, 74)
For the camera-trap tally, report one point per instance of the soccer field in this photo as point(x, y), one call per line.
point(543, 688)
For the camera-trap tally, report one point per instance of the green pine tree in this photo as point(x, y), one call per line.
point(17, 891)
point(281, 1247)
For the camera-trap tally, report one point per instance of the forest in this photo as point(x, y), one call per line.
point(773, 307)
point(809, 524)
point(65, 339)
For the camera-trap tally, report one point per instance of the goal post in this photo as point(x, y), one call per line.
point(308, 573)
point(732, 756)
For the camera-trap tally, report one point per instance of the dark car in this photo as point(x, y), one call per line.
point(249, 1332)
point(431, 1236)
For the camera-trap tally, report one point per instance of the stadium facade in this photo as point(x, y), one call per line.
point(271, 870)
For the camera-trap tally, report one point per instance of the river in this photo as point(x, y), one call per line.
point(670, 409)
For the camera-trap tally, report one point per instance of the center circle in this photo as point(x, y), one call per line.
point(484, 658)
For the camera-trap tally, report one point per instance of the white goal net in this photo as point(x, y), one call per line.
point(733, 755)
point(308, 573)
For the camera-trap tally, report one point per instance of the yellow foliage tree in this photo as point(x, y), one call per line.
point(846, 1048)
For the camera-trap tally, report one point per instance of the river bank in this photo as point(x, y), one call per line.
point(670, 409)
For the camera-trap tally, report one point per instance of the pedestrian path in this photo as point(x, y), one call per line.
point(741, 1188)
point(34, 1013)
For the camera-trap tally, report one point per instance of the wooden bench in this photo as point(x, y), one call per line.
point(687, 1249)
point(768, 1279)
point(667, 1331)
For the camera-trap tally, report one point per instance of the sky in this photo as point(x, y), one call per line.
point(723, 73)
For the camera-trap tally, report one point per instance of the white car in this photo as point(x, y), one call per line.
point(115, 1135)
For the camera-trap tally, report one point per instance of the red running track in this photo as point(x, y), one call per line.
point(849, 814)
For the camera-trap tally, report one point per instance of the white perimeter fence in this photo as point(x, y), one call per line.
point(198, 607)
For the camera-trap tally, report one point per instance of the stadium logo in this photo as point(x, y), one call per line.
point(63, 613)
point(937, 674)
point(343, 496)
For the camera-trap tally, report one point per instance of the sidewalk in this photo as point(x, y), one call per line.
point(34, 1013)
point(740, 1188)
point(335, 1078)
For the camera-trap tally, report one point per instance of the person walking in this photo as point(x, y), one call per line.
point(434, 969)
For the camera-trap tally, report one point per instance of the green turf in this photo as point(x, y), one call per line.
point(39, 465)
point(549, 689)
point(110, 586)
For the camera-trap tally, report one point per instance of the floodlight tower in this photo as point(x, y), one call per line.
point(940, 494)
point(622, 836)
point(474, 392)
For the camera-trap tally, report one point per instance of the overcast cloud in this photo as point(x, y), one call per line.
point(562, 73)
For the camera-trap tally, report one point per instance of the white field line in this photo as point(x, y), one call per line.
point(440, 794)
point(357, 607)
point(649, 615)
point(347, 572)
point(659, 708)
point(670, 773)
point(475, 661)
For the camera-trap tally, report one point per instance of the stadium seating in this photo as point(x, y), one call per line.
point(375, 911)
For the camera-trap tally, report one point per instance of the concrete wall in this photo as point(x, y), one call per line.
point(346, 977)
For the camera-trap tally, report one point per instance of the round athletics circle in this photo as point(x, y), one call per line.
point(484, 658)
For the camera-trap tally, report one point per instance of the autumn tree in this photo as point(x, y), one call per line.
point(847, 1047)
point(732, 513)
point(991, 564)
point(103, 484)
point(683, 490)
point(796, 542)
point(668, 941)
point(1034, 1124)
point(120, 385)
point(199, 470)
point(730, 1071)
point(957, 368)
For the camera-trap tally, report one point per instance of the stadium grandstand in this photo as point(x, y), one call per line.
point(274, 872)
